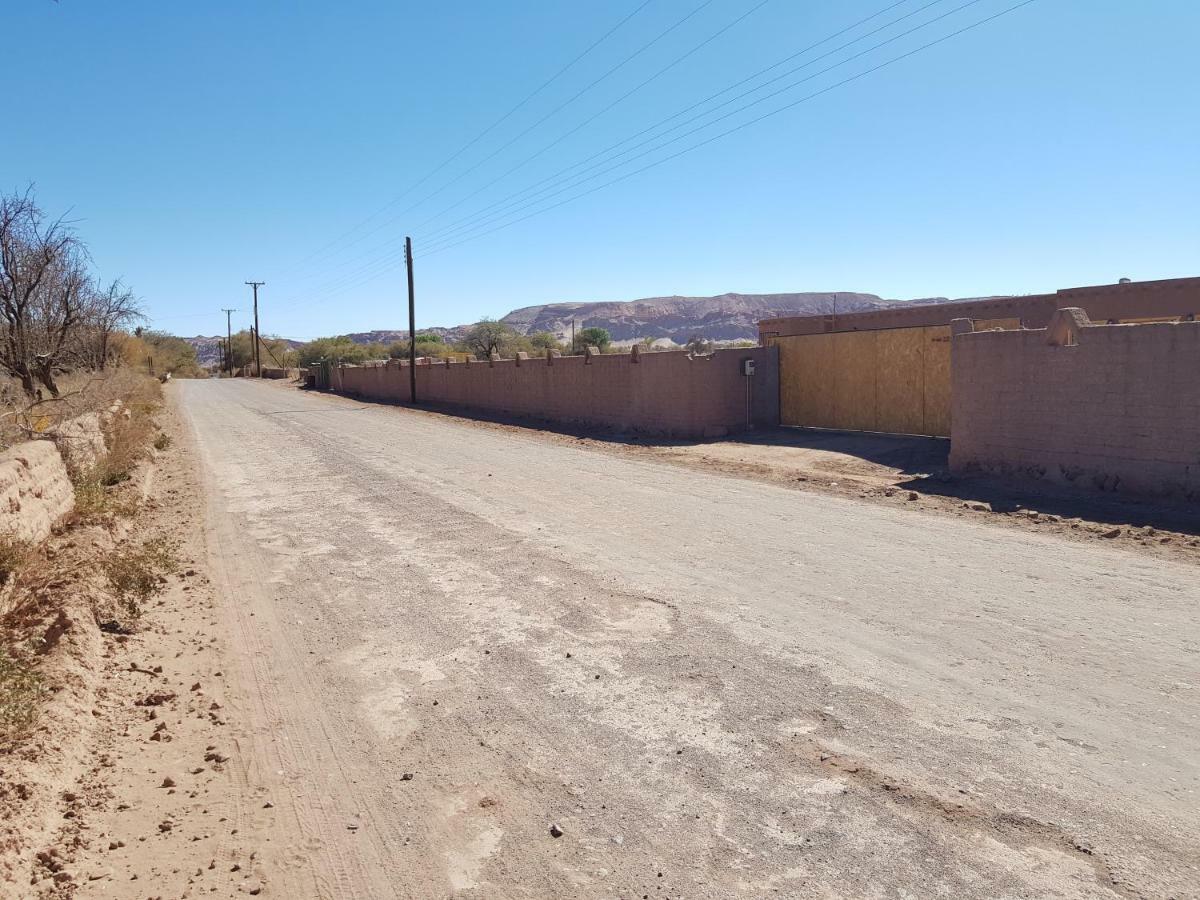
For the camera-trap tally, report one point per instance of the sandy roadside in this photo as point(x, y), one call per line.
point(152, 807)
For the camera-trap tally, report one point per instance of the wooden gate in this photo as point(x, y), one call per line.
point(895, 380)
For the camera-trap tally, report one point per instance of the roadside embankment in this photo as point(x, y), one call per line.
point(35, 491)
point(88, 558)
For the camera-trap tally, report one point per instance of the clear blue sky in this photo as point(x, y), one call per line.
point(201, 145)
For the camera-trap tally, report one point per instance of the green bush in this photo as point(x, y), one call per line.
point(592, 337)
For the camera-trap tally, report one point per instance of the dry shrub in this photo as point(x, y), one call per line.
point(82, 392)
point(21, 685)
point(130, 433)
point(96, 502)
point(14, 556)
point(162, 442)
point(135, 575)
point(21, 688)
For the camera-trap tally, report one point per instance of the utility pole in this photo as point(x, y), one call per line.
point(228, 341)
point(412, 324)
point(257, 334)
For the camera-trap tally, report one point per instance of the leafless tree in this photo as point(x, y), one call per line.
point(43, 280)
point(106, 310)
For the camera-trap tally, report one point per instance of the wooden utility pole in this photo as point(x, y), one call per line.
point(257, 334)
point(228, 341)
point(412, 324)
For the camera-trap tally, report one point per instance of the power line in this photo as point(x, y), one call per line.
point(173, 318)
point(742, 126)
point(504, 202)
point(371, 253)
point(675, 62)
point(257, 356)
point(345, 282)
point(450, 243)
point(228, 340)
point(612, 71)
point(486, 131)
point(612, 168)
point(607, 74)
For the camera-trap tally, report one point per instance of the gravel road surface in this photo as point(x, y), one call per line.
point(452, 644)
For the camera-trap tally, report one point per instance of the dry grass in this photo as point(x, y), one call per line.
point(21, 684)
point(21, 688)
point(128, 436)
point(22, 631)
point(97, 502)
point(82, 392)
point(130, 432)
point(135, 575)
point(14, 557)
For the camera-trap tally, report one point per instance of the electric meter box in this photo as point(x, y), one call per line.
point(747, 367)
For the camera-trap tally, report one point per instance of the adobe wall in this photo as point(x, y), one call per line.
point(81, 441)
point(1135, 300)
point(1118, 410)
point(655, 393)
point(36, 493)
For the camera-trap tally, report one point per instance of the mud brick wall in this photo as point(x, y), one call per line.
point(655, 393)
point(36, 493)
point(1134, 300)
point(1114, 407)
point(81, 441)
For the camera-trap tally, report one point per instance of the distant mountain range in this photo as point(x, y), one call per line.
point(727, 317)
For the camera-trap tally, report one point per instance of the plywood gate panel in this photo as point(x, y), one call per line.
point(901, 383)
point(854, 363)
point(802, 394)
point(937, 381)
point(893, 380)
point(821, 394)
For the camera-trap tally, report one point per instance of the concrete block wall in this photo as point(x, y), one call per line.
point(667, 393)
point(1113, 407)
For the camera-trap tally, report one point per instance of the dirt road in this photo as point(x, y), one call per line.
point(449, 644)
